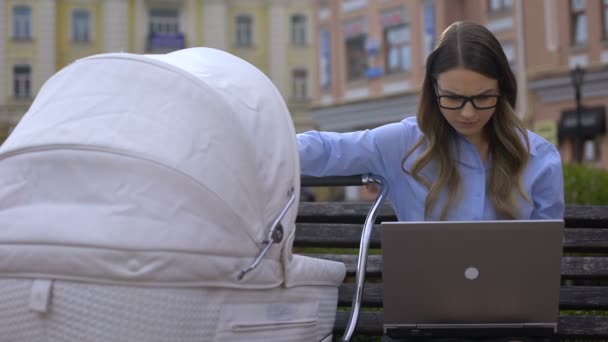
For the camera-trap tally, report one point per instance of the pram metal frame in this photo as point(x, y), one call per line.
point(368, 226)
point(275, 235)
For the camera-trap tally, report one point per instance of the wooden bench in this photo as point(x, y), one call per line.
point(332, 230)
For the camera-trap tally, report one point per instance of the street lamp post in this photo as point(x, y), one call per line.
point(577, 75)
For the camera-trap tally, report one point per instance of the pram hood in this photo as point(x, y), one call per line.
point(158, 169)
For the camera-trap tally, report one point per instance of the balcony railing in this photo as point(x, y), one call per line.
point(166, 41)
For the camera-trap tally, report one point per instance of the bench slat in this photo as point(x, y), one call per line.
point(585, 267)
point(572, 267)
point(333, 235)
point(585, 240)
point(587, 216)
point(374, 263)
point(348, 236)
point(571, 297)
point(341, 212)
point(583, 298)
point(370, 323)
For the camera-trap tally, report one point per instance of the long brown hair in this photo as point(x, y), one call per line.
point(473, 47)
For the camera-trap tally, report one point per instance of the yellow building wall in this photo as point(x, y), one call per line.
point(301, 56)
point(19, 52)
point(192, 10)
point(257, 54)
point(131, 26)
point(68, 51)
point(200, 22)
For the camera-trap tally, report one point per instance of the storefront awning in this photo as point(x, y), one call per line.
point(593, 123)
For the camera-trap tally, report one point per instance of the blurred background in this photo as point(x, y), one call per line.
point(340, 65)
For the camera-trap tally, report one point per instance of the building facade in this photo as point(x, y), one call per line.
point(371, 54)
point(564, 34)
point(38, 38)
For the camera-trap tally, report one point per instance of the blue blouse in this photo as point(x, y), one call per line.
point(380, 151)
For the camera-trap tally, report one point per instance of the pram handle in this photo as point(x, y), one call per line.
point(365, 235)
point(311, 181)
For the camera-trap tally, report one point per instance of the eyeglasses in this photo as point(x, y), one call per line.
point(485, 101)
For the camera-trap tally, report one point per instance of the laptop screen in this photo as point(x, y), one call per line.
point(483, 272)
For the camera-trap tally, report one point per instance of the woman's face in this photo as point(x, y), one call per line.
point(454, 87)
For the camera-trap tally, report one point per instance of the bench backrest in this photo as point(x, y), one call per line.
point(332, 230)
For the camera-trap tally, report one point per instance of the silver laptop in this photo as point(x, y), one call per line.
point(488, 278)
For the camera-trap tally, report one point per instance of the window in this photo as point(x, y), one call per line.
point(244, 31)
point(355, 35)
point(500, 5)
point(22, 22)
point(509, 49)
point(429, 28)
point(164, 21)
point(398, 50)
point(324, 10)
point(81, 26)
point(298, 30)
point(325, 59)
point(164, 35)
point(396, 45)
point(605, 18)
point(300, 85)
point(578, 22)
point(356, 57)
point(22, 76)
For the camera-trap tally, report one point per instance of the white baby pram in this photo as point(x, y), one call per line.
point(139, 199)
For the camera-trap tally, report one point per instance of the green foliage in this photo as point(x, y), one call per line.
point(584, 184)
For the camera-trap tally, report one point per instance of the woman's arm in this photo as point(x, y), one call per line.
point(548, 190)
point(345, 154)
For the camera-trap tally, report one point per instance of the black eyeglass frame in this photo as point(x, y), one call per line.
point(465, 99)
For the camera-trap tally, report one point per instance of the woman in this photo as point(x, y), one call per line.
point(466, 155)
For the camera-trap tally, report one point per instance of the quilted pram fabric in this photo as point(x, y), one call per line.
point(136, 190)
